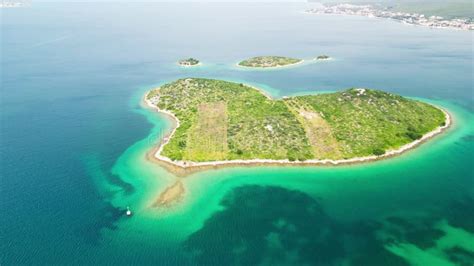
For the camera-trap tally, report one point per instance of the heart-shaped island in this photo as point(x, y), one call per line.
point(220, 122)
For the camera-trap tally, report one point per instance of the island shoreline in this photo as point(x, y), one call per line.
point(184, 168)
point(272, 67)
point(189, 66)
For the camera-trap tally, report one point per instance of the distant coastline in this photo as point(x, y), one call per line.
point(403, 17)
point(183, 168)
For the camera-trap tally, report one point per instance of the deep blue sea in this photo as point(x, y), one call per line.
point(73, 139)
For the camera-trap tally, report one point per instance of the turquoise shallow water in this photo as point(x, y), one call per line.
point(74, 138)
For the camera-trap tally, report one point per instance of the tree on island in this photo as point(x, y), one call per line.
point(189, 61)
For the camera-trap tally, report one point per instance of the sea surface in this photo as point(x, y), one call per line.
point(74, 137)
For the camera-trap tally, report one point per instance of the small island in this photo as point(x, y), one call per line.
point(220, 122)
point(323, 57)
point(269, 61)
point(189, 62)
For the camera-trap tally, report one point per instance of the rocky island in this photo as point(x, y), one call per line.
point(220, 122)
point(189, 62)
point(269, 61)
point(323, 57)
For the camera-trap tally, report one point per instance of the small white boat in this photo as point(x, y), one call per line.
point(129, 212)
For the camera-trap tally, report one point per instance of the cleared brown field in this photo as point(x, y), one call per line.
point(207, 138)
point(317, 130)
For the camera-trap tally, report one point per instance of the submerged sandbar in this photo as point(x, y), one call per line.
point(170, 195)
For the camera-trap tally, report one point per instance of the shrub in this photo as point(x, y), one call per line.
point(413, 135)
point(378, 151)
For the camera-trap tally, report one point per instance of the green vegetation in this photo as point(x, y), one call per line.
point(207, 139)
point(368, 122)
point(188, 62)
point(448, 9)
point(254, 126)
point(269, 61)
point(222, 120)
